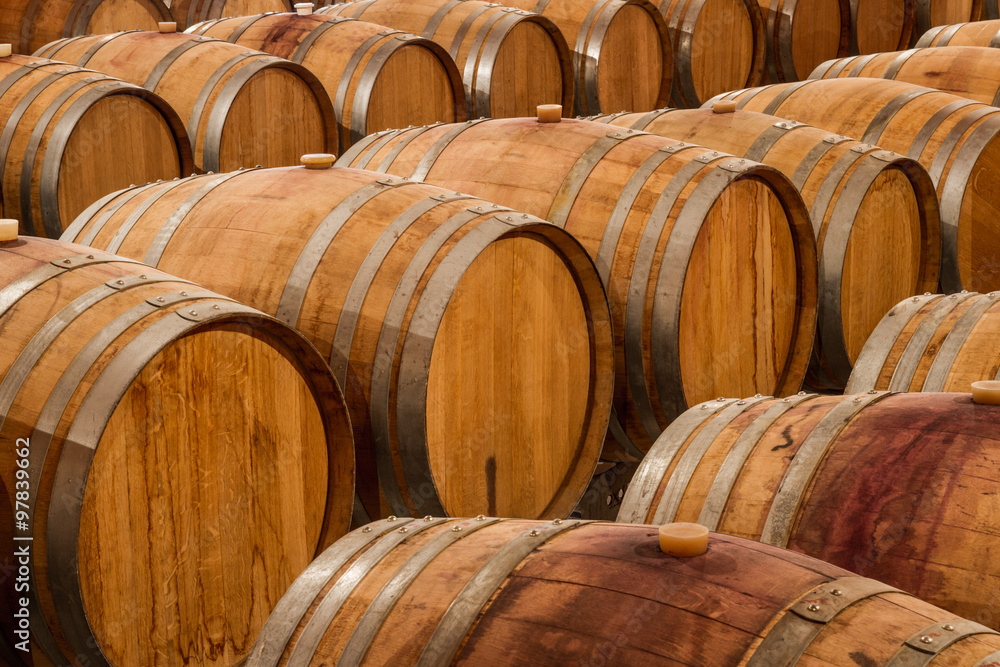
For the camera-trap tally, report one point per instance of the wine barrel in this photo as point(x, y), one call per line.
point(976, 33)
point(711, 290)
point(875, 216)
point(622, 53)
point(377, 78)
point(242, 107)
point(479, 591)
point(932, 342)
point(473, 343)
point(967, 71)
point(881, 25)
point(803, 34)
point(511, 60)
point(954, 138)
point(189, 12)
point(898, 487)
point(169, 451)
point(70, 136)
point(718, 45)
point(28, 25)
point(932, 13)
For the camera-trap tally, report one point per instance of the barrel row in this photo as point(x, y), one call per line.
point(148, 478)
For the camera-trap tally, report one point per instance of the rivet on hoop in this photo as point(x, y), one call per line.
point(366, 529)
point(836, 592)
point(481, 517)
point(720, 399)
point(556, 522)
point(119, 282)
point(403, 529)
point(141, 277)
point(873, 391)
point(160, 299)
point(428, 518)
point(391, 517)
point(857, 399)
point(927, 639)
point(801, 393)
point(456, 529)
point(813, 607)
point(741, 402)
point(533, 533)
point(90, 257)
point(948, 627)
point(193, 313)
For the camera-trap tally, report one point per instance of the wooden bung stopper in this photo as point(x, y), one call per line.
point(549, 113)
point(724, 106)
point(5, 50)
point(304, 8)
point(8, 228)
point(318, 160)
point(166, 26)
point(683, 540)
point(986, 392)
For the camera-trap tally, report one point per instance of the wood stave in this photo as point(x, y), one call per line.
point(381, 571)
point(76, 21)
point(210, 111)
point(779, 24)
point(702, 473)
point(831, 365)
point(930, 346)
point(477, 95)
point(236, 32)
point(971, 138)
point(80, 90)
point(405, 488)
point(56, 596)
point(907, 29)
point(925, 21)
point(627, 438)
point(975, 33)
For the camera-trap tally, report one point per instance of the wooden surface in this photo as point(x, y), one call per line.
point(935, 324)
point(967, 71)
point(630, 64)
point(718, 46)
point(882, 25)
point(953, 138)
point(591, 593)
point(803, 35)
point(511, 61)
point(725, 331)
point(903, 492)
point(417, 84)
point(510, 405)
point(221, 460)
point(69, 139)
point(976, 33)
point(240, 108)
point(890, 216)
point(28, 25)
point(189, 12)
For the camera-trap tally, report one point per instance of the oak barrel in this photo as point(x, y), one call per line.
point(70, 136)
point(622, 52)
point(189, 12)
point(242, 107)
point(954, 138)
point(718, 45)
point(967, 71)
point(801, 34)
point(473, 342)
point(177, 458)
point(932, 342)
point(709, 261)
point(975, 33)
point(881, 25)
point(898, 487)
point(875, 216)
point(511, 60)
point(28, 25)
point(377, 78)
point(489, 591)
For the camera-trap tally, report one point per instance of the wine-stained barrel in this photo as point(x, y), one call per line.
point(485, 590)
point(954, 138)
point(803, 34)
point(976, 33)
point(875, 216)
point(189, 12)
point(899, 487)
point(622, 51)
point(967, 71)
point(29, 24)
point(166, 451)
point(378, 78)
point(70, 136)
point(718, 45)
point(708, 260)
point(242, 107)
point(511, 60)
point(473, 342)
point(933, 342)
